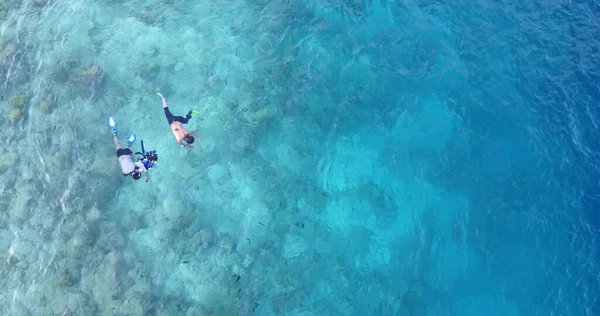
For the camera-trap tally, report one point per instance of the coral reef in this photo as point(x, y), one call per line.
point(18, 102)
point(91, 82)
point(15, 115)
point(46, 106)
point(246, 222)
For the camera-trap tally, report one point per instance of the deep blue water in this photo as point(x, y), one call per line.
point(522, 77)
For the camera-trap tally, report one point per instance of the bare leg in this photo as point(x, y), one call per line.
point(164, 101)
point(116, 139)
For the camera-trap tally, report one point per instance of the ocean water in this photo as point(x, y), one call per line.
point(356, 158)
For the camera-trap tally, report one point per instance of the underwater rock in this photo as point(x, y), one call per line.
point(16, 73)
point(19, 209)
point(62, 70)
point(60, 75)
point(68, 279)
point(216, 172)
point(15, 275)
point(249, 259)
point(27, 174)
point(196, 311)
point(135, 306)
point(225, 258)
point(179, 67)
point(40, 3)
point(106, 286)
point(19, 250)
point(135, 221)
point(293, 247)
point(176, 215)
point(7, 51)
point(46, 106)
point(23, 265)
point(212, 81)
point(86, 235)
point(92, 215)
point(174, 305)
point(91, 81)
point(103, 166)
point(292, 296)
point(242, 145)
point(264, 115)
point(7, 160)
point(247, 302)
point(207, 238)
point(11, 260)
point(166, 89)
point(194, 243)
point(255, 229)
point(225, 242)
point(148, 72)
point(112, 237)
point(231, 103)
point(150, 16)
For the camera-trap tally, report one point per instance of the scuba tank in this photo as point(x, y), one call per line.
point(149, 159)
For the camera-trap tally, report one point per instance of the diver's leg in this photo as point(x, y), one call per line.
point(170, 117)
point(181, 119)
point(164, 101)
point(168, 114)
point(116, 139)
point(118, 145)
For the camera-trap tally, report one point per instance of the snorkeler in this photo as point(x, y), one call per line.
point(125, 155)
point(176, 122)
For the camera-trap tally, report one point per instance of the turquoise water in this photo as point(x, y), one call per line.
point(357, 158)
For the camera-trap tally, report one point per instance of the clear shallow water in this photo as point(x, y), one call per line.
point(377, 158)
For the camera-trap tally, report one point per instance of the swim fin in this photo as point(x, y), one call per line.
point(113, 125)
point(195, 112)
point(131, 139)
